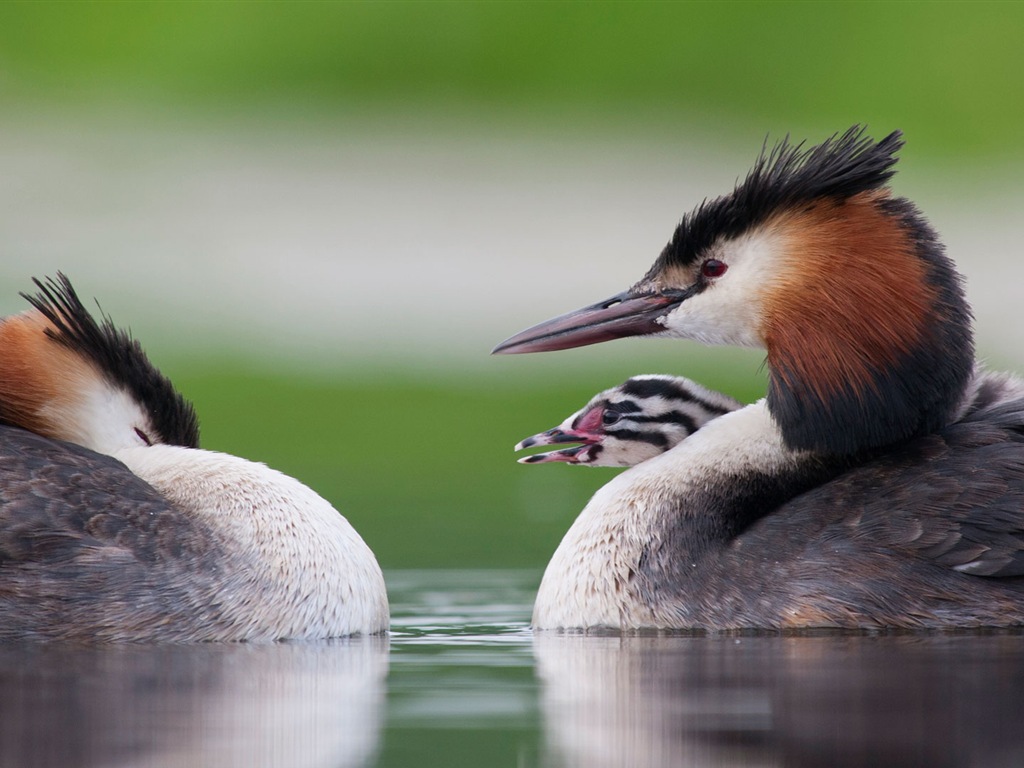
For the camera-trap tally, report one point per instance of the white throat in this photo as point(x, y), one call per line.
point(590, 581)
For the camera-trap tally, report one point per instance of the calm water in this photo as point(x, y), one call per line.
point(463, 682)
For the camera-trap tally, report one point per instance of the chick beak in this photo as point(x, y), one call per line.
point(578, 454)
point(626, 314)
point(557, 436)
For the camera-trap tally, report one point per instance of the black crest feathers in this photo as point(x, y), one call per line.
point(118, 357)
point(786, 176)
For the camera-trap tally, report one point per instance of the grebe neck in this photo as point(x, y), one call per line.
point(653, 528)
point(870, 343)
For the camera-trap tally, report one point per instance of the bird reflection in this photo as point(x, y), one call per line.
point(247, 705)
point(653, 701)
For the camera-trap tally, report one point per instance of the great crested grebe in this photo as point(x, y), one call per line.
point(881, 481)
point(620, 427)
point(115, 526)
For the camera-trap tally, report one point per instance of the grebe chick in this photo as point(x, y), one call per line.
point(115, 526)
point(881, 481)
point(620, 427)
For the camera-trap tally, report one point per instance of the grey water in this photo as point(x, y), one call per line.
point(462, 681)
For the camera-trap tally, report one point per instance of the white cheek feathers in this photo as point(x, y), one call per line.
point(100, 417)
point(729, 309)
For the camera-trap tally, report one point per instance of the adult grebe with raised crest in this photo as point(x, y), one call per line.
point(881, 481)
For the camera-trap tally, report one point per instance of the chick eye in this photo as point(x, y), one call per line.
point(143, 436)
point(610, 417)
point(713, 268)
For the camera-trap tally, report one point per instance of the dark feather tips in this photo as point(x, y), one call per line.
point(787, 176)
point(117, 356)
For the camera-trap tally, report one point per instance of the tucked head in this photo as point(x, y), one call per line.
point(630, 423)
point(65, 375)
point(811, 258)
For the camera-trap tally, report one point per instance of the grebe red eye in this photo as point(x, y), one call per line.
point(713, 268)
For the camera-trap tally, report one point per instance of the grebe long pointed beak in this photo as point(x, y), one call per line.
point(625, 314)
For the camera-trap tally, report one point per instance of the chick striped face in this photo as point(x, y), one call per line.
point(623, 426)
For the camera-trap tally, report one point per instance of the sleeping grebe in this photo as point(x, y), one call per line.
point(115, 526)
point(880, 483)
point(635, 421)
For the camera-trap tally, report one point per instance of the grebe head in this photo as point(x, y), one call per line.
point(846, 287)
point(630, 423)
point(66, 376)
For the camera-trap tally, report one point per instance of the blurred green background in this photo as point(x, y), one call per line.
point(319, 217)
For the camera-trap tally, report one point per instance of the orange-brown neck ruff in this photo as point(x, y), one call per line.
point(867, 330)
point(39, 379)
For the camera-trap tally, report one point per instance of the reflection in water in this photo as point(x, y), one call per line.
point(461, 690)
point(469, 685)
point(292, 704)
point(782, 701)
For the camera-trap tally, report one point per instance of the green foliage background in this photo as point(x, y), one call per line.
point(421, 460)
point(948, 72)
point(425, 468)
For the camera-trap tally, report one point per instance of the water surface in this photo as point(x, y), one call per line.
point(463, 681)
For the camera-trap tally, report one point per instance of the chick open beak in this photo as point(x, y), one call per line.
point(575, 455)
